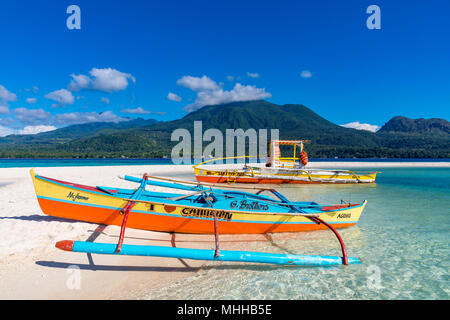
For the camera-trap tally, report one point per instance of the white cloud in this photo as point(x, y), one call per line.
point(306, 74)
point(140, 110)
point(35, 89)
point(219, 96)
point(79, 82)
point(36, 129)
point(253, 75)
point(106, 79)
point(110, 79)
point(361, 126)
point(210, 93)
point(173, 97)
point(38, 120)
point(105, 100)
point(197, 84)
point(5, 131)
point(31, 100)
point(230, 78)
point(85, 117)
point(6, 95)
point(31, 116)
point(137, 110)
point(4, 109)
point(62, 97)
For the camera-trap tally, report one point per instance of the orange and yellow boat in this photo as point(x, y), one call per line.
point(200, 209)
point(237, 212)
point(278, 169)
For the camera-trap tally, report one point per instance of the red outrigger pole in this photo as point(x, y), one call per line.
point(126, 211)
point(216, 226)
point(344, 251)
point(318, 221)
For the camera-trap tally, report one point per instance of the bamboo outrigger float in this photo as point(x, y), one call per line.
point(204, 209)
point(280, 170)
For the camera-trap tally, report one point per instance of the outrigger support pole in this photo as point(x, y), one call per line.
point(216, 226)
point(216, 235)
point(344, 251)
point(126, 211)
point(318, 221)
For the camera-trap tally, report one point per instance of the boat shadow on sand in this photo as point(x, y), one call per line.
point(39, 218)
point(249, 267)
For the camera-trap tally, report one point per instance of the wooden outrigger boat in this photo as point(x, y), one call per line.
point(204, 209)
point(280, 170)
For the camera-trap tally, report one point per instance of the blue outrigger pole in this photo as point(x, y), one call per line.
point(203, 254)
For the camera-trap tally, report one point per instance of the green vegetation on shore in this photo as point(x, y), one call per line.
point(398, 138)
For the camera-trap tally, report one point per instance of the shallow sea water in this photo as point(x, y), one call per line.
point(402, 239)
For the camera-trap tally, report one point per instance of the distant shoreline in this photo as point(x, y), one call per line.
point(380, 164)
point(168, 159)
point(313, 163)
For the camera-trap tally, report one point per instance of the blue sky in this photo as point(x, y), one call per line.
point(129, 55)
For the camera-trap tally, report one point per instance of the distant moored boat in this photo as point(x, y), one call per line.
point(279, 170)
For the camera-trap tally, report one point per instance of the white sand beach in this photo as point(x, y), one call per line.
point(377, 164)
point(32, 268)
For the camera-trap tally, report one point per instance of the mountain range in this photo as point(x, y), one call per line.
point(400, 137)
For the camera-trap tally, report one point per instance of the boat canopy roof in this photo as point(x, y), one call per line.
point(289, 142)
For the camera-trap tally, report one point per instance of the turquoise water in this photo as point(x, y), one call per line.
point(18, 163)
point(402, 239)
point(21, 163)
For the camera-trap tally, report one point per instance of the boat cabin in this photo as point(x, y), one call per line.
point(275, 160)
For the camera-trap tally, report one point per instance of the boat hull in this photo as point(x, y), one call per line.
point(78, 202)
point(279, 177)
point(250, 180)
